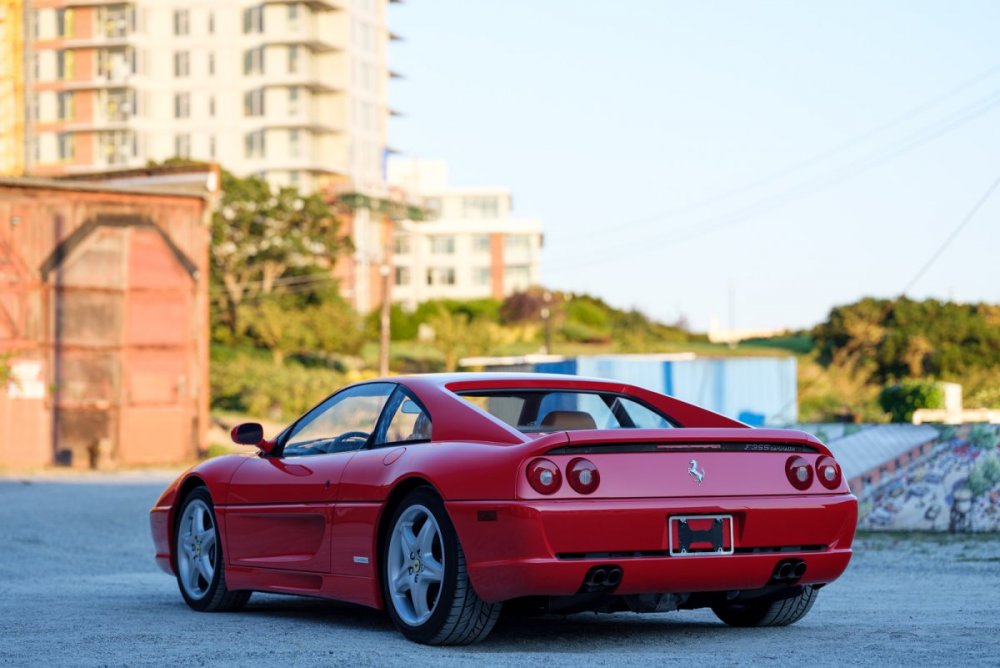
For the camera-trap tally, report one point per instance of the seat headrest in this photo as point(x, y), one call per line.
point(569, 420)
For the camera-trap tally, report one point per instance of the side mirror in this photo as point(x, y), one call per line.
point(251, 433)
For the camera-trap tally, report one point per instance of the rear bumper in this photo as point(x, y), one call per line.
point(543, 547)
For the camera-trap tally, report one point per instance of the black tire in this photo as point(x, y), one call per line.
point(207, 595)
point(459, 617)
point(770, 613)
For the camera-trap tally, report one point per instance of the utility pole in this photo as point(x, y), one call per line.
point(385, 323)
point(385, 320)
point(547, 317)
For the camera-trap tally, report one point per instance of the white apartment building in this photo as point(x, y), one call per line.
point(292, 91)
point(469, 246)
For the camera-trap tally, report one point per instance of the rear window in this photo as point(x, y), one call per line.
point(532, 411)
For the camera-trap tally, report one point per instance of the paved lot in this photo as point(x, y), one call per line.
point(78, 587)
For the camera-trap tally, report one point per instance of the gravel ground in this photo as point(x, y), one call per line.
point(78, 586)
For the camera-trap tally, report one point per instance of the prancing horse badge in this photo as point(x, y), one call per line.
point(698, 475)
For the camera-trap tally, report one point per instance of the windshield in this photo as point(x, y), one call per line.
point(532, 411)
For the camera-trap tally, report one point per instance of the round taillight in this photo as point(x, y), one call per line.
point(544, 476)
point(583, 476)
point(828, 472)
point(799, 473)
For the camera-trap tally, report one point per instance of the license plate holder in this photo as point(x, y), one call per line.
point(700, 535)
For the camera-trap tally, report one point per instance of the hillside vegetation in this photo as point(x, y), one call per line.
point(283, 337)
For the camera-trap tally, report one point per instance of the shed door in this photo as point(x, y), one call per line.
point(123, 350)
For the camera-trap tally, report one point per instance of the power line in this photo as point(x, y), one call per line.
point(712, 224)
point(804, 163)
point(951, 237)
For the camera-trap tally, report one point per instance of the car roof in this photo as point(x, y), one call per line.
point(490, 377)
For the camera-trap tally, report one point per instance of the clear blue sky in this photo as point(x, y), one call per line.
point(804, 153)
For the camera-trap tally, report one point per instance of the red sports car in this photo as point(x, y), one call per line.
point(442, 498)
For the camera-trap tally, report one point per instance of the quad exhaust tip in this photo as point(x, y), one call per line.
point(602, 578)
point(789, 570)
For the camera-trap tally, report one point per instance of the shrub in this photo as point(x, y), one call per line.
point(984, 475)
point(902, 399)
point(984, 437)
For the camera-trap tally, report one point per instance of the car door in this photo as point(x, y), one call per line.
point(405, 424)
point(280, 507)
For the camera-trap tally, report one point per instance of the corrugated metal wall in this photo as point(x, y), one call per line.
point(755, 390)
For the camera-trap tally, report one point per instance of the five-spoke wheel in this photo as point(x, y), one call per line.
point(424, 579)
point(199, 564)
point(415, 565)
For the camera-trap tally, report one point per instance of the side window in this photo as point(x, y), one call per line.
point(409, 422)
point(341, 423)
point(644, 418)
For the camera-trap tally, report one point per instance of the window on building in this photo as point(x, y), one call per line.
point(115, 22)
point(34, 65)
point(253, 61)
point(253, 19)
point(293, 15)
point(293, 59)
point(402, 276)
point(480, 207)
point(66, 106)
point(482, 276)
point(443, 245)
point(294, 147)
point(182, 105)
point(182, 64)
point(481, 243)
point(254, 144)
point(65, 65)
point(517, 276)
point(33, 24)
point(211, 23)
point(441, 276)
point(211, 146)
point(293, 100)
point(181, 22)
point(182, 145)
point(253, 102)
point(517, 242)
point(66, 146)
point(211, 63)
point(401, 244)
point(65, 22)
point(211, 106)
point(293, 179)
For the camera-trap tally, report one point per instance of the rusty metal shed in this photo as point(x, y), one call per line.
point(104, 320)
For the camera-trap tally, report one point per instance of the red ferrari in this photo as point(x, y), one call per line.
point(441, 498)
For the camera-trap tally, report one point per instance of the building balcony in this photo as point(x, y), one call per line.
point(308, 33)
point(311, 76)
point(315, 5)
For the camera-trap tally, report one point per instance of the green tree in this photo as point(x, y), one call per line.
point(264, 239)
point(894, 339)
point(902, 399)
point(456, 335)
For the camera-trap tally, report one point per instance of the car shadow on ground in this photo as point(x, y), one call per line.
point(541, 633)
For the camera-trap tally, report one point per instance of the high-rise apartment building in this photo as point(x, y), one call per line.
point(469, 245)
point(11, 87)
point(292, 91)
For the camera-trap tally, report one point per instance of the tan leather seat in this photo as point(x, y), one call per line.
point(568, 420)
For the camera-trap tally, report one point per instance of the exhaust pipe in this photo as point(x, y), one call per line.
point(789, 570)
point(601, 578)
